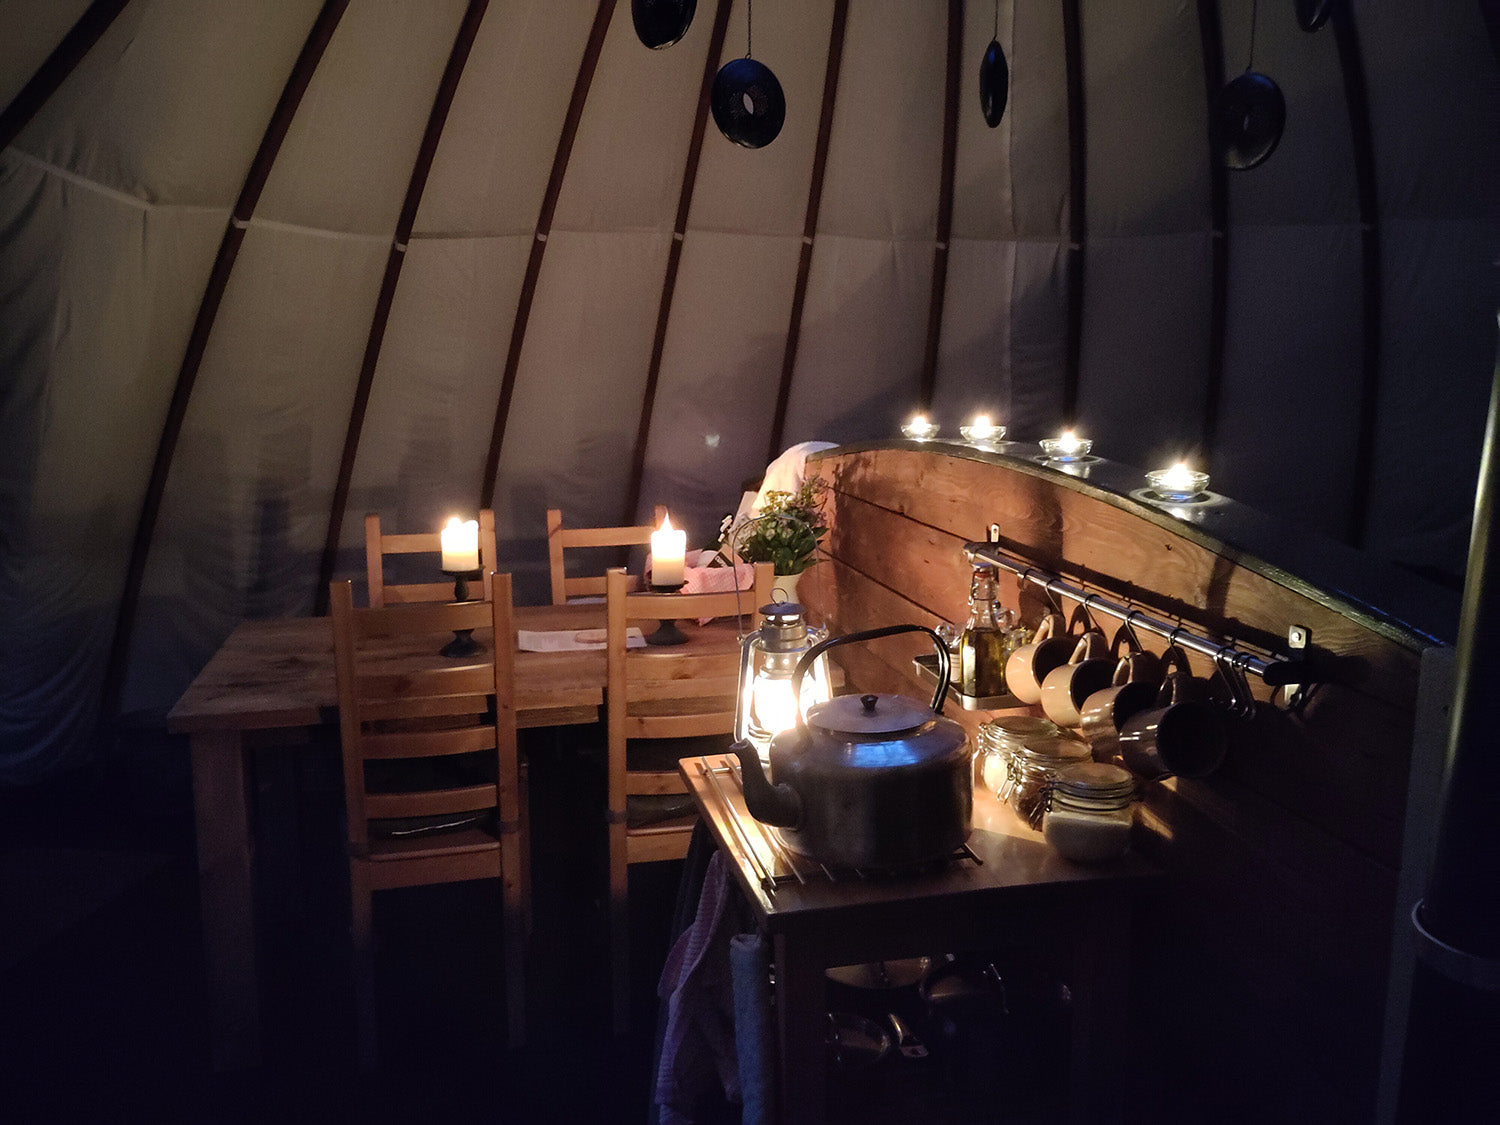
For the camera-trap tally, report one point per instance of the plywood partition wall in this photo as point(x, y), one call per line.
point(1261, 966)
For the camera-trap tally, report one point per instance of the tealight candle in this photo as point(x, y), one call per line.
point(920, 428)
point(668, 550)
point(460, 543)
point(1067, 446)
point(1177, 483)
point(980, 428)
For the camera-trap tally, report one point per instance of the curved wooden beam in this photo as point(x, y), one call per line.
point(581, 85)
point(674, 259)
point(810, 223)
point(945, 204)
point(1211, 34)
point(1356, 97)
point(208, 308)
point(415, 186)
point(68, 53)
point(1077, 201)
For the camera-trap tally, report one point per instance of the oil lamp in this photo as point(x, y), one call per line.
point(459, 541)
point(768, 657)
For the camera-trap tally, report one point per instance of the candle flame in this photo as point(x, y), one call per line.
point(919, 420)
point(666, 522)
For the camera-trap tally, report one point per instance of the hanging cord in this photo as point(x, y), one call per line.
point(749, 17)
point(996, 35)
point(1249, 66)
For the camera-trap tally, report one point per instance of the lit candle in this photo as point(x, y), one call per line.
point(981, 428)
point(460, 542)
point(919, 427)
point(668, 550)
point(1068, 444)
point(1179, 477)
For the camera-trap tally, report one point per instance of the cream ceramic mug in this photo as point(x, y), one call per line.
point(1028, 665)
point(1066, 687)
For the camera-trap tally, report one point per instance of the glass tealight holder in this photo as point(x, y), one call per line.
point(919, 429)
point(1066, 450)
point(981, 433)
point(1177, 484)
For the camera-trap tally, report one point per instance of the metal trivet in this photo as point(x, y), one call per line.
point(797, 867)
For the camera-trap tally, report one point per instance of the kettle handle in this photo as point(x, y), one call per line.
point(945, 661)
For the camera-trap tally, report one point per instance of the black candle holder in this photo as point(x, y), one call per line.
point(666, 632)
point(463, 642)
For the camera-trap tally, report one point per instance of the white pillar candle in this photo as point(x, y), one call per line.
point(668, 549)
point(460, 542)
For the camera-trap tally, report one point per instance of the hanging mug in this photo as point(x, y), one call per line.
point(1183, 735)
point(1088, 669)
point(1029, 664)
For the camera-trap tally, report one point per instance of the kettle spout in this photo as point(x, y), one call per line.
point(770, 804)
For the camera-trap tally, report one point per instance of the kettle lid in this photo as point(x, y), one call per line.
point(869, 714)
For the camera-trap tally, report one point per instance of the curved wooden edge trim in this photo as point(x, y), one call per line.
point(1211, 35)
point(437, 118)
point(1356, 97)
point(945, 205)
point(810, 222)
point(1077, 201)
point(674, 259)
point(208, 308)
point(581, 86)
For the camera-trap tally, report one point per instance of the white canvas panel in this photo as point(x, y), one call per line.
point(974, 369)
point(576, 409)
point(1038, 336)
point(432, 403)
point(1293, 367)
point(625, 172)
point(1145, 122)
point(246, 506)
point(347, 158)
point(491, 166)
point(31, 30)
point(764, 190)
point(721, 367)
point(96, 295)
point(983, 204)
point(1440, 310)
point(864, 326)
point(1039, 109)
point(1145, 346)
point(1310, 177)
point(886, 148)
point(171, 103)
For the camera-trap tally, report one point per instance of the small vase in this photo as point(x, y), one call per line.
point(784, 586)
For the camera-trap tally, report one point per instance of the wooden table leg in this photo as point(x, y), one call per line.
point(801, 1019)
point(1101, 977)
point(226, 894)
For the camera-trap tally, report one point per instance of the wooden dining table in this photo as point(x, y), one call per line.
point(273, 677)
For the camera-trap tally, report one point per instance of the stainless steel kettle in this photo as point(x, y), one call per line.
point(872, 780)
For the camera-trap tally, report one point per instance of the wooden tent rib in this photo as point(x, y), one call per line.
point(810, 222)
point(581, 86)
point(229, 247)
point(1077, 202)
point(68, 53)
point(945, 205)
point(674, 259)
point(1210, 33)
point(437, 118)
point(1356, 97)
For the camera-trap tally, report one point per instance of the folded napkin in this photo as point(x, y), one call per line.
point(700, 578)
point(571, 640)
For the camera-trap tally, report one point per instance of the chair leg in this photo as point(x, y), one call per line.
point(362, 931)
point(619, 928)
point(514, 921)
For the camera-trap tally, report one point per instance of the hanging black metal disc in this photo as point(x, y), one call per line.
point(747, 103)
point(994, 83)
point(1313, 14)
point(660, 23)
point(1249, 116)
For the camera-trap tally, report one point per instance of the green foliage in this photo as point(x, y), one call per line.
point(787, 531)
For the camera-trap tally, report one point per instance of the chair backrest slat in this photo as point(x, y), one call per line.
point(561, 539)
point(380, 543)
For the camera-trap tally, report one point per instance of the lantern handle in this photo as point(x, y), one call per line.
point(945, 662)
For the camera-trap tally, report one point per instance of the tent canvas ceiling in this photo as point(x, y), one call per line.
point(1076, 278)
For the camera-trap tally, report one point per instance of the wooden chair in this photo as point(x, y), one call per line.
point(450, 811)
point(379, 544)
point(561, 538)
point(652, 722)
